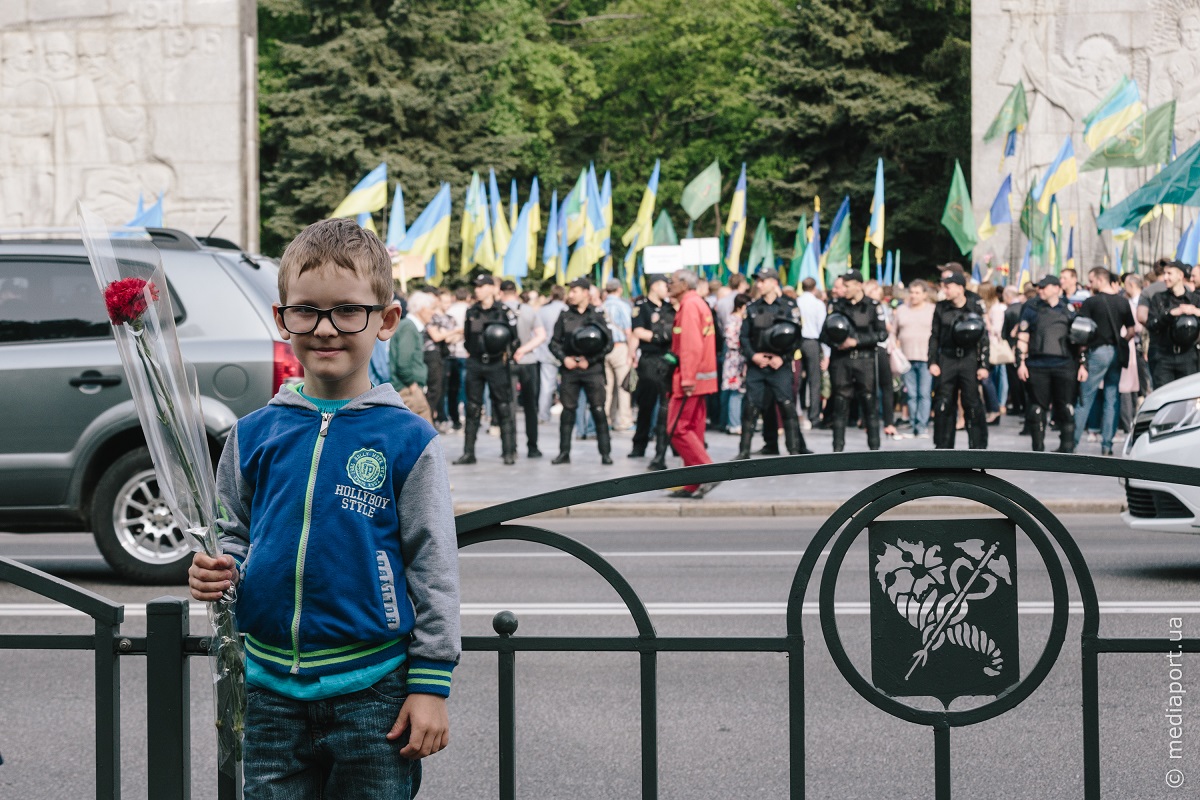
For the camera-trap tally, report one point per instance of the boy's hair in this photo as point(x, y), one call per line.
point(338, 243)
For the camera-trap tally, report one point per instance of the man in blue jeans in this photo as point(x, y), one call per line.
point(1107, 355)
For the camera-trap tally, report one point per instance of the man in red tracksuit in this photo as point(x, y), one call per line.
point(694, 345)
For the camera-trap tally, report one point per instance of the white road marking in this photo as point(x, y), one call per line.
point(649, 554)
point(666, 609)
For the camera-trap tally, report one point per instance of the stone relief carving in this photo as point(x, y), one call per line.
point(1069, 54)
point(103, 101)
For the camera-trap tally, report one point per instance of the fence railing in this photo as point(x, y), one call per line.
point(963, 474)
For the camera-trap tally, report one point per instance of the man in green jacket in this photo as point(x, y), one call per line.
point(406, 360)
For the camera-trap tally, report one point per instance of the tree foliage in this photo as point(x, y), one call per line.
point(807, 95)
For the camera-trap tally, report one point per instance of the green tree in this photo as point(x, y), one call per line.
point(435, 88)
point(847, 81)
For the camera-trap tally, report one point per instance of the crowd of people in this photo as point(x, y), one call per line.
point(922, 360)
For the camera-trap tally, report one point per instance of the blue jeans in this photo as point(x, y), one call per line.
point(918, 384)
point(1000, 381)
point(731, 409)
point(1102, 365)
point(297, 750)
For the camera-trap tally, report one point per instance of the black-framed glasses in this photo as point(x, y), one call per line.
point(347, 318)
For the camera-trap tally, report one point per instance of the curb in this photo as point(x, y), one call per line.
point(815, 508)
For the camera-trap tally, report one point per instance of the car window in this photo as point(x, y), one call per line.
point(52, 300)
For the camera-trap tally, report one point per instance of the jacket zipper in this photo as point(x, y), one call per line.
point(303, 548)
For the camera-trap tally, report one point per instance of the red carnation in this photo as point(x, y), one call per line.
point(126, 299)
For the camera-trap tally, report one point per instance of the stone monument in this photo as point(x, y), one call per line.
point(106, 99)
point(1069, 54)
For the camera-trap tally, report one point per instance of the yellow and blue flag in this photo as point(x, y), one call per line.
point(512, 206)
point(151, 217)
point(735, 226)
point(501, 233)
point(429, 236)
point(370, 194)
point(640, 232)
point(535, 222)
point(396, 223)
point(550, 246)
point(606, 212)
point(571, 218)
point(887, 270)
point(516, 260)
point(1023, 277)
point(366, 222)
point(1121, 106)
point(1000, 212)
point(1188, 250)
point(467, 227)
point(1061, 173)
point(835, 258)
point(875, 227)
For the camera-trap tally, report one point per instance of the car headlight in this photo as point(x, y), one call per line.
point(1177, 417)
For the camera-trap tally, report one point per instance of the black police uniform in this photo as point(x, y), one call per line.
point(1169, 360)
point(654, 371)
point(852, 372)
point(761, 316)
point(959, 362)
point(590, 380)
point(491, 370)
point(1053, 364)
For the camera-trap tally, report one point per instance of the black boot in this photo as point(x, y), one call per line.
point(508, 436)
point(872, 420)
point(603, 439)
point(661, 440)
point(470, 433)
point(793, 439)
point(1066, 434)
point(1037, 431)
point(749, 420)
point(566, 427)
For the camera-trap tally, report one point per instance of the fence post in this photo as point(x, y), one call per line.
point(108, 711)
point(168, 708)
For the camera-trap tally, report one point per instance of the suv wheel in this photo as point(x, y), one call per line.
point(134, 528)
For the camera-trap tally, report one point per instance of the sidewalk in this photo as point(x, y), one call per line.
point(490, 482)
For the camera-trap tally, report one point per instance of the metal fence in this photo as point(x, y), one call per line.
point(963, 474)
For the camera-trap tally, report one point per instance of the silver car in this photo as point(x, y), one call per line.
point(72, 454)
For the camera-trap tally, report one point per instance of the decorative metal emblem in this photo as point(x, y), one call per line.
point(944, 608)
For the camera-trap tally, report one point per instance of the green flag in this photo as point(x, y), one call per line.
point(798, 251)
point(1013, 115)
point(958, 217)
point(865, 268)
point(1146, 141)
point(1033, 223)
point(664, 231)
point(758, 248)
point(703, 192)
point(769, 256)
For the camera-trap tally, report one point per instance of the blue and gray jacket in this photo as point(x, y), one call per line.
point(343, 531)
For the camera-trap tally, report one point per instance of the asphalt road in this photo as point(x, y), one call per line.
point(722, 717)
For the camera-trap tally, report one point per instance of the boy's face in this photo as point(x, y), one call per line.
point(336, 363)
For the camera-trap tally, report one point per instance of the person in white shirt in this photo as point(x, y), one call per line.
point(812, 352)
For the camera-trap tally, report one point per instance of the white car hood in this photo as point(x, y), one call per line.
point(1182, 389)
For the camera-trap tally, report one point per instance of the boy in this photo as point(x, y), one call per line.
point(338, 533)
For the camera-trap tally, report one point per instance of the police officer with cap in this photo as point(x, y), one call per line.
point(1173, 320)
point(653, 321)
point(580, 342)
point(853, 330)
point(1051, 365)
point(770, 337)
point(958, 361)
point(490, 336)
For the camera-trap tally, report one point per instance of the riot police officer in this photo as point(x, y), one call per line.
point(581, 341)
point(490, 336)
point(958, 361)
point(853, 330)
point(653, 320)
point(1049, 363)
point(769, 339)
point(1173, 324)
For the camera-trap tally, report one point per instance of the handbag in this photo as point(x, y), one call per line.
point(1001, 352)
point(899, 362)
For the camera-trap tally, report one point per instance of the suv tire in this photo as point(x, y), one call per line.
point(134, 529)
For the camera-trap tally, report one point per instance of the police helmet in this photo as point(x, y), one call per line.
point(588, 340)
point(968, 330)
point(496, 338)
point(1185, 330)
point(838, 328)
point(781, 338)
point(1082, 331)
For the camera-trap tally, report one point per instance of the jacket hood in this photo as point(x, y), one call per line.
point(382, 395)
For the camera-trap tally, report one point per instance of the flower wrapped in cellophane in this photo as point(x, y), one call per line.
point(129, 270)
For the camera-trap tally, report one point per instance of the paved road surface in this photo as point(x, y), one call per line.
point(722, 717)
